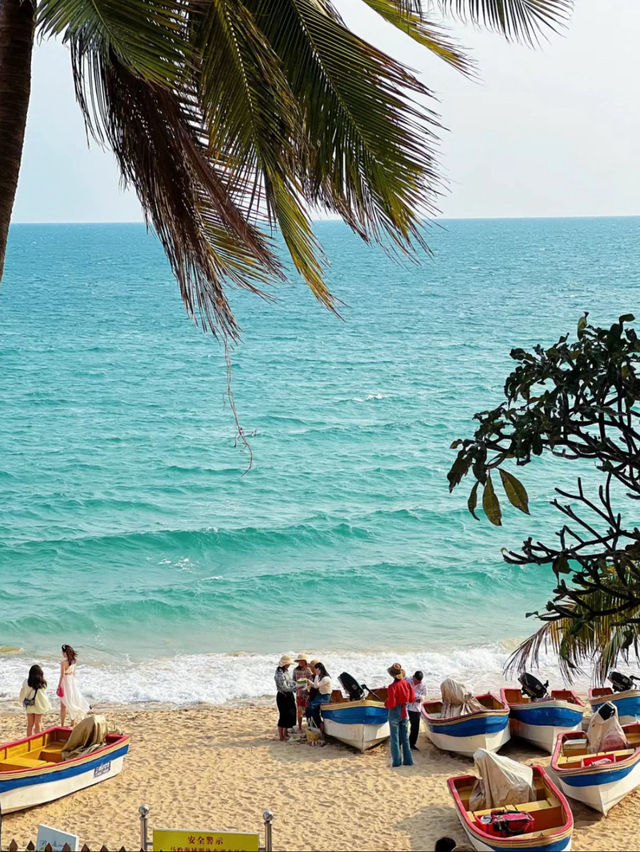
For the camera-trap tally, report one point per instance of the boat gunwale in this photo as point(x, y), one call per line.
point(610, 693)
point(576, 700)
point(51, 766)
point(563, 771)
point(548, 783)
point(365, 702)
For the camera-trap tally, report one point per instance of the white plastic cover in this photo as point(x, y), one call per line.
point(606, 734)
point(501, 781)
point(457, 700)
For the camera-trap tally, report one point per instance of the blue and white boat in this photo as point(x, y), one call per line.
point(34, 770)
point(627, 702)
point(601, 779)
point(540, 721)
point(487, 728)
point(552, 827)
point(361, 724)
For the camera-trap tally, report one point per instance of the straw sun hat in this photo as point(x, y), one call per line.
point(285, 660)
point(301, 658)
point(396, 671)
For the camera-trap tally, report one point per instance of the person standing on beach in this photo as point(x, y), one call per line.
point(302, 676)
point(322, 685)
point(399, 694)
point(415, 708)
point(71, 699)
point(285, 697)
point(33, 697)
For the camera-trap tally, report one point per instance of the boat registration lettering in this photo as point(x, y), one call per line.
point(102, 769)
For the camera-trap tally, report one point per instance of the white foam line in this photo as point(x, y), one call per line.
point(222, 678)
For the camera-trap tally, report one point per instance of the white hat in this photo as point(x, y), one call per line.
point(285, 660)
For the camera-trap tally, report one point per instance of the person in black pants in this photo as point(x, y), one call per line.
point(414, 708)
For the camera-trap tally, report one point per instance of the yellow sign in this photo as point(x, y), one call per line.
point(168, 840)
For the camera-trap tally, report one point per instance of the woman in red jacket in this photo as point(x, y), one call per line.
point(399, 694)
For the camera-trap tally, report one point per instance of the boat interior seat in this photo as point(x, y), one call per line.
point(546, 815)
point(51, 754)
point(576, 758)
point(529, 807)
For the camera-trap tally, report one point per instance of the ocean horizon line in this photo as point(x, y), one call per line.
point(432, 221)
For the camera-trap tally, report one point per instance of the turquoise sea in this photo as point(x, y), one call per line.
point(130, 528)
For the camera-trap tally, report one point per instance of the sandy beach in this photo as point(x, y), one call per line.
point(219, 767)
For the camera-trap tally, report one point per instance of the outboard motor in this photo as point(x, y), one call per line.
point(531, 686)
point(606, 710)
point(351, 687)
point(622, 682)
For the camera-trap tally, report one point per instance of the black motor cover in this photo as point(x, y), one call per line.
point(606, 710)
point(532, 687)
point(351, 687)
point(621, 682)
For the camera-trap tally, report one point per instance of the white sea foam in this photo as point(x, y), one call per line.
point(229, 678)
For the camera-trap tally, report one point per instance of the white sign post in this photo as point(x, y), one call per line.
point(56, 838)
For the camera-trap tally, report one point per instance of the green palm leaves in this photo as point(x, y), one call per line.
point(231, 117)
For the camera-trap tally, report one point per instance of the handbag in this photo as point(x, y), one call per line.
point(30, 702)
point(60, 691)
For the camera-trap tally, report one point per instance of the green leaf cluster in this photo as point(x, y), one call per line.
point(232, 117)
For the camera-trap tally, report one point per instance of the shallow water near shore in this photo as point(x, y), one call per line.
point(128, 528)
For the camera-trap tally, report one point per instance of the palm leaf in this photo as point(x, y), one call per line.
point(370, 148)
point(409, 18)
point(149, 37)
point(156, 140)
point(253, 119)
point(600, 629)
point(518, 20)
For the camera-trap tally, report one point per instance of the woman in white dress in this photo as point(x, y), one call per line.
point(71, 699)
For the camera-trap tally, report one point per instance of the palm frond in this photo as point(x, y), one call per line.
point(409, 17)
point(155, 138)
point(149, 37)
point(597, 632)
point(253, 119)
point(518, 20)
point(370, 152)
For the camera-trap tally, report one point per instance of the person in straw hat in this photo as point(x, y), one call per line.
point(399, 694)
point(285, 697)
point(302, 677)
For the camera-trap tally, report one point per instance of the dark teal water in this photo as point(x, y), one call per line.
point(127, 526)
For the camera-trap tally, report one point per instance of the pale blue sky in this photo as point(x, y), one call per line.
point(553, 132)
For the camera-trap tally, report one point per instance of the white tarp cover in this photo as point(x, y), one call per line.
point(457, 700)
point(87, 736)
point(606, 734)
point(501, 781)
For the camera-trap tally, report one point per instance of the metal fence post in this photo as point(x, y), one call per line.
point(143, 810)
point(268, 825)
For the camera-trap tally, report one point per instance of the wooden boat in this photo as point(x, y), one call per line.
point(553, 820)
point(599, 780)
point(540, 722)
point(488, 728)
point(627, 702)
point(33, 771)
point(360, 724)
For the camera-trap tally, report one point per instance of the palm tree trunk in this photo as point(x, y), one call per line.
point(17, 24)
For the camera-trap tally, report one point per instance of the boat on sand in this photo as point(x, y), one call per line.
point(57, 762)
point(622, 693)
point(537, 819)
point(462, 722)
point(360, 720)
point(598, 774)
point(538, 716)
